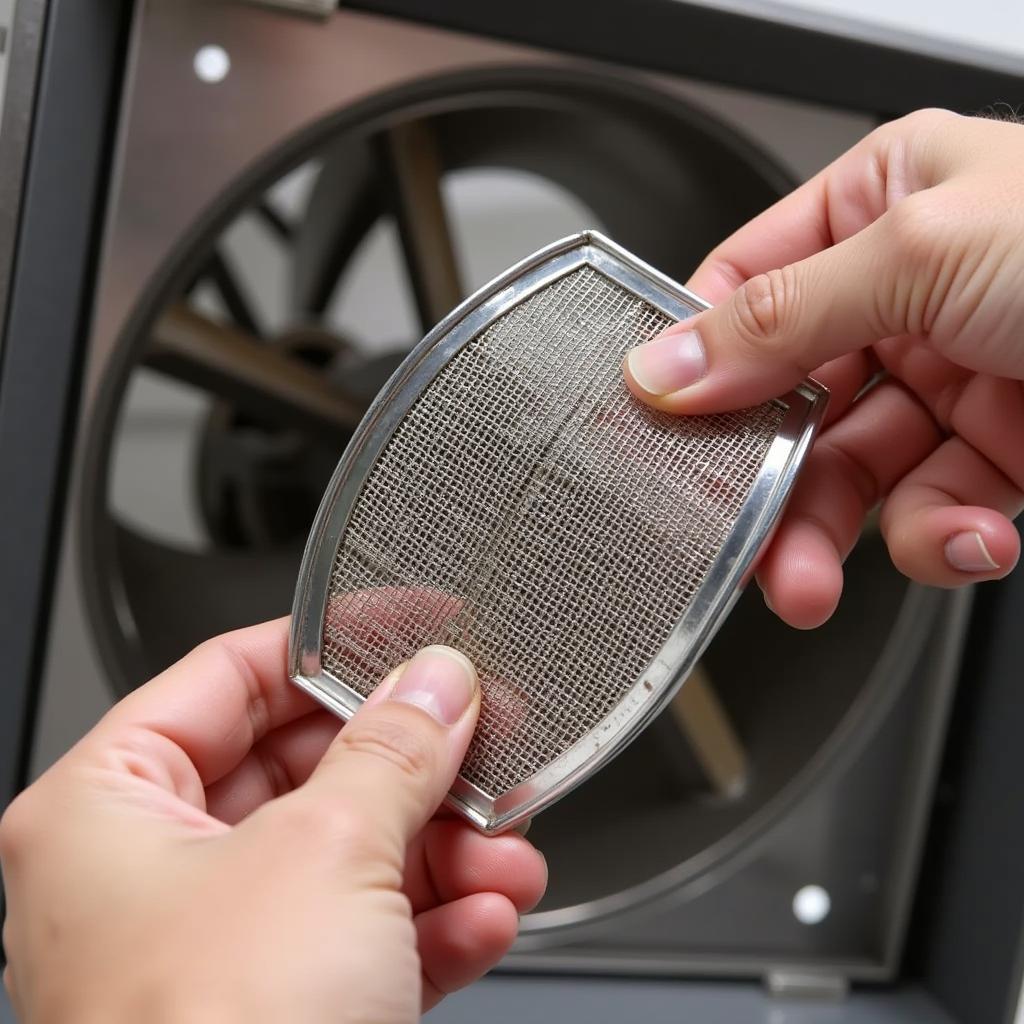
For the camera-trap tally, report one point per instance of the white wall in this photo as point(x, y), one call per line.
point(990, 24)
point(996, 25)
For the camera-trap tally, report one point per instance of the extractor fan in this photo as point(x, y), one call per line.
point(292, 214)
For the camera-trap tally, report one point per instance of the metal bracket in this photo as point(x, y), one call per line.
point(818, 986)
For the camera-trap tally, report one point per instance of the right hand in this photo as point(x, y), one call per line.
point(906, 256)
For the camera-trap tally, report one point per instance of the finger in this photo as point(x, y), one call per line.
point(779, 326)
point(792, 229)
point(194, 722)
point(842, 199)
point(801, 575)
point(853, 257)
point(276, 765)
point(986, 411)
point(449, 860)
point(392, 764)
point(798, 225)
point(989, 416)
point(461, 941)
point(948, 522)
point(851, 467)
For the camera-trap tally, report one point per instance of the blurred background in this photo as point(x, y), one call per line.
point(291, 196)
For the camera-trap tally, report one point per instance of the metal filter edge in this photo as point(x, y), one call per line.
point(711, 604)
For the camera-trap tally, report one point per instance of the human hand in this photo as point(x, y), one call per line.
point(903, 258)
point(215, 850)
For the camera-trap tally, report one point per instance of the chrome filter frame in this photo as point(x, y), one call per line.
point(800, 415)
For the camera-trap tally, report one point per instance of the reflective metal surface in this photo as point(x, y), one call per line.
point(494, 800)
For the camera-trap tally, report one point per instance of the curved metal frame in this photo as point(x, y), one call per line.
point(691, 635)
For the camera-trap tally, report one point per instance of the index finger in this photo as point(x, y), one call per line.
point(221, 699)
point(840, 200)
point(216, 702)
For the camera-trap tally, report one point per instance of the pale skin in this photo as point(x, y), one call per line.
point(905, 255)
point(215, 849)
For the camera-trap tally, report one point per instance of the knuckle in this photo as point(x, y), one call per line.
point(919, 229)
point(917, 127)
point(765, 306)
point(852, 472)
point(930, 238)
point(275, 770)
point(929, 118)
point(18, 825)
point(393, 741)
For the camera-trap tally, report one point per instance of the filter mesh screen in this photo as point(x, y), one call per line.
point(531, 513)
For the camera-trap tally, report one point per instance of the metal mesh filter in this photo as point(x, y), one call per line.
point(547, 524)
point(527, 510)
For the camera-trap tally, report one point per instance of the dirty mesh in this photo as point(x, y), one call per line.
point(531, 513)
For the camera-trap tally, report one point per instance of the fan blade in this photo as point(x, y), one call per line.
point(343, 207)
point(700, 716)
point(267, 212)
point(412, 167)
point(232, 294)
point(255, 377)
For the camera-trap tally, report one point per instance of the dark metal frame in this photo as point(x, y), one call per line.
point(67, 122)
point(967, 939)
point(67, 63)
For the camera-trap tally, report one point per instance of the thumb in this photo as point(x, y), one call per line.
point(776, 328)
point(390, 767)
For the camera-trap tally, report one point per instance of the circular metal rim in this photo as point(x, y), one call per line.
point(108, 606)
point(888, 679)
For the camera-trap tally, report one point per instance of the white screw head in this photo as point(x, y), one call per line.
point(211, 64)
point(811, 904)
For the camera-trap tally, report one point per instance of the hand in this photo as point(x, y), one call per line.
point(215, 850)
point(903, 261)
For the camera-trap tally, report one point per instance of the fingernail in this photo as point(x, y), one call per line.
point(439, 680)
point(767, 602)
point(523, 827)
point(669, 363)
point(967, 553)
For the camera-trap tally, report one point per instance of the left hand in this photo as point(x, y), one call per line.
point(216, 850)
